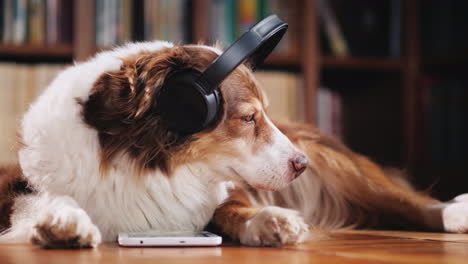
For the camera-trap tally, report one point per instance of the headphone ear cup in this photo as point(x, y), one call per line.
point(184, 106)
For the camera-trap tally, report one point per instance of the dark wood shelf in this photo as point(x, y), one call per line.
point(386, 64)
point(282, 60)
point(62, 51)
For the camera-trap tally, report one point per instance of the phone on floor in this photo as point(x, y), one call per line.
point(168, 239)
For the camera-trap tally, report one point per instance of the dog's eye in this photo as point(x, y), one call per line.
point(249, 118)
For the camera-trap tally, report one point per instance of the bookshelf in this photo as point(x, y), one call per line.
point(404, 72)
point(377, 64)
point(63, 51)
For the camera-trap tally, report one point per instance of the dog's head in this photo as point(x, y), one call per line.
point(243, 144)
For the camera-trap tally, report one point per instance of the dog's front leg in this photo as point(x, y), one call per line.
point(267, 226)
point(51, 222)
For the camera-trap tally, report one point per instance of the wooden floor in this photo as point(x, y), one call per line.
point(343, 247)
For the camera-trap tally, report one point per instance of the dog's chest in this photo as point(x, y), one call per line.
point(180, 202)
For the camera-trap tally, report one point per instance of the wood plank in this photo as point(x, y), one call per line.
point(447, 237)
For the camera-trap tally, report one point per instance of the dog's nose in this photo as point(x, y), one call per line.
point(299, 164)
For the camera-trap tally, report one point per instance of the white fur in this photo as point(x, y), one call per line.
point(450, 216)
point(60, 213)
point(61, 158)
point(461, 198)
point(455, 217)
point(274, 226)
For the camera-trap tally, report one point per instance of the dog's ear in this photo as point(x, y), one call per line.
point(122, 97)
point(145, 76)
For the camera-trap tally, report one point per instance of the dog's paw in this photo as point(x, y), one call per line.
point(274, 226)
point(67, 228)
point(455, 215)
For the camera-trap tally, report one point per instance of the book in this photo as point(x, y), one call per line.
point(285, 94)
point(37, 17)
point(20, 21)
point(167, 20)
point(65, 19)
point(8, 17)
point(2, 20)
point(52, 11)
point(219, 36)
point(148, 15)
point(336, 39)
point(329, 112)
point(229, 19)
point(247, 15)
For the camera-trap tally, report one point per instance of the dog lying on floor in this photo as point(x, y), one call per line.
point(96, 161)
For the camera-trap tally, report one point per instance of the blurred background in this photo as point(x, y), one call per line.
point(387, 77)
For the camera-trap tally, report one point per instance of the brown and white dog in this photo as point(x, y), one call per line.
point(95, 160)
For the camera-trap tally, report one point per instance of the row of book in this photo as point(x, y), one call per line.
point(36, 22)
point(21, 84)
point(374, 28)
point(118, 21)
point(445, 115)
point(230, 18)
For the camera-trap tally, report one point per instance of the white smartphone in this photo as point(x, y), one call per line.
point(168, 239)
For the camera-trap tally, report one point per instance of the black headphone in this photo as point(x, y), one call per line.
point(189, 101)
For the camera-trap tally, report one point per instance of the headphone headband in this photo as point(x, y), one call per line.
point(189, 101)
point(259, 42)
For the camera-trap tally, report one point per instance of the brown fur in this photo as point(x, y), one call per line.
point(234, 213)
point(12, 184)
point(352, 188)
point(50, 235)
